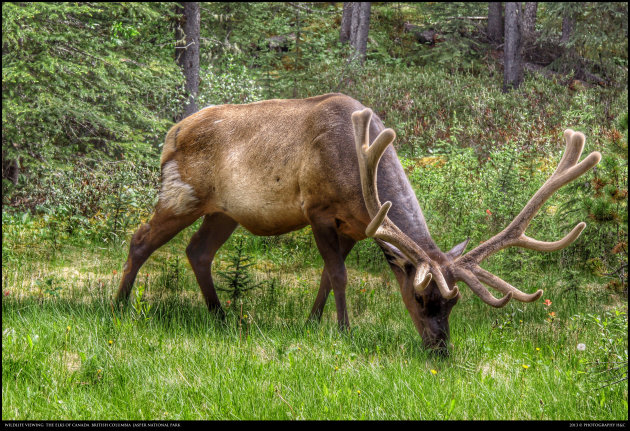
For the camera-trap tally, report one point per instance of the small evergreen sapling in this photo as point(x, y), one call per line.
point(237, 278)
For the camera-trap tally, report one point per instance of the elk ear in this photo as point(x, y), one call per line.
point(394, 255)
point(457, 251)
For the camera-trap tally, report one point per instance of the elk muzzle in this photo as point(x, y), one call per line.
point(436, 335)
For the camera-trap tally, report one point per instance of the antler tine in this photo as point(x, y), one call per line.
point(568, 170)
point(467, 267)
point(573, 149)
point(381, 226)
point(492, 280)
point(473, 282)
point(533, 244)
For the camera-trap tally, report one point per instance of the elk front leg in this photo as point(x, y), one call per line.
point(345, 245)
point(214, 231)
point(328, 244)
point(162, 227)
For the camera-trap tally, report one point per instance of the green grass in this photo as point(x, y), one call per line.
point(68, 353)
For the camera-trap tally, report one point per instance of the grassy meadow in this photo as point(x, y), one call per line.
point(70, 353)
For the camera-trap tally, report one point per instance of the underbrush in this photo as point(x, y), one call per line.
point(473, 154)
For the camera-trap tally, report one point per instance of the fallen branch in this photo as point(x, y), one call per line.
point(613, 383)
point(616, 272)
point(472, 18)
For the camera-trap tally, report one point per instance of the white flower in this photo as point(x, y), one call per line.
point(581, 347)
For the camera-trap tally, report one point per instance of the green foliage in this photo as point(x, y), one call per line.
point(171, 273)
point(237, 278)
point(606, 359)
point(278, 43)
point(455, 44)
point(79, 80)
point(607, 206)
point(50, 286)
point(92, 201)
point(140, 306)
point(231, 82)
point(600, 34)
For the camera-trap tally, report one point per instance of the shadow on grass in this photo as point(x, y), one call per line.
point(260, 319)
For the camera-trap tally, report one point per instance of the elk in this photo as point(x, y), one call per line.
point(278, 165)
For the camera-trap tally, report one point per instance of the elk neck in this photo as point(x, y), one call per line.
point(405, 212)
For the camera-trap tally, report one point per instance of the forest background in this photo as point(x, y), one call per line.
point(478, 94)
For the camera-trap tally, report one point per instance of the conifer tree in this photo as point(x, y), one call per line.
point(238, 278)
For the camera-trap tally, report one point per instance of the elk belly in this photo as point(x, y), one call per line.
point(263, 206)
point(265, 214)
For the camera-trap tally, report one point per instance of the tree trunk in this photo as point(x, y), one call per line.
point(297, 52)
point(567, 28)
point(360, 38)
point(346, 22)
point(568, 23)
point(187, 51)
point(570, 60)
point(513, 64)
point(355, 25)
point(10, 169)
point(529, 20)
point(495, 22)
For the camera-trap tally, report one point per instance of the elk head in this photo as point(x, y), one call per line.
point(428, 282)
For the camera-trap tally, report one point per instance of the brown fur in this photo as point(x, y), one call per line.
point(262, 163)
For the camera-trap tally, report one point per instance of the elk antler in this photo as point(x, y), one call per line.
point(467, 269)
point(381, 227)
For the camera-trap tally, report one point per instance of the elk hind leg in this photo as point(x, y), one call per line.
point(162, 227)
point(214, 231)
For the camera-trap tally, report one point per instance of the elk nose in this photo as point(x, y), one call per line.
point(438, 346)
